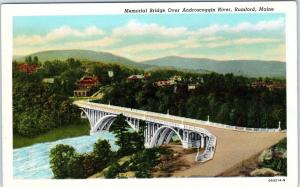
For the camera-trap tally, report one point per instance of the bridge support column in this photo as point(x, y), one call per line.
point(202, 141)
point(186, 143)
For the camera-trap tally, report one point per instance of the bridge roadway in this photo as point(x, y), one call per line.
point(233, 146)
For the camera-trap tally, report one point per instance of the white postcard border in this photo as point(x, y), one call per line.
point(8, 11)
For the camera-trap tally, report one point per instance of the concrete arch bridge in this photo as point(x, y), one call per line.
point(160, 128)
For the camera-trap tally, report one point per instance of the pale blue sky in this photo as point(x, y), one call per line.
point(142, 37)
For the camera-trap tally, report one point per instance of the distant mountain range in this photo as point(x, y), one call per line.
point(252, 68)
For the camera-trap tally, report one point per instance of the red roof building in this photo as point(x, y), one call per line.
point(85, 84)
point(163, 83)
point(88, 82)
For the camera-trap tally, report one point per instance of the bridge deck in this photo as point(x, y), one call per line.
point(212, 127)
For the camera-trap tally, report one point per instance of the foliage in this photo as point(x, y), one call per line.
point(60, 157)
point(75, 168)
point(78, 128)
point(39, 107)
point(127, 140)
point(143, 161)
point(113, 171)
point(282, 144)
point(277, 163)
point(226, 98)
point(102, 154)
point(65, 162)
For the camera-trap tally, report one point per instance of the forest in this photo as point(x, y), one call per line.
point(225, 98)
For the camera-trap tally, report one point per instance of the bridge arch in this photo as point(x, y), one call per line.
point(160, 131)
point(105, 123)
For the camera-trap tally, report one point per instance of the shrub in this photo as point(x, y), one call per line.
point(102, 154)
point(60, 156)
point(113, 171)
point(75, 167)
point(28, 125)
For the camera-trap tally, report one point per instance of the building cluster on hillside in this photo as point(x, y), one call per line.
point(174, 80)
point(85, 84)
point(270, 86)
point(171, 81)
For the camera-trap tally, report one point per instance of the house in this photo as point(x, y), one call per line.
point(85, 84)
point(276, 86)
point(270, 86)
point(28, 68)
point(175, 79)
point(191, 87)
point(81, 93)
point(136, 77)
point(163, 83)
point(139, 77)
point(48, 80)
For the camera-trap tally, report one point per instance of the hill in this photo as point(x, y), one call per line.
point(252, 68)
point(80, 55)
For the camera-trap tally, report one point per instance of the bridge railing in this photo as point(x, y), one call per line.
point(144, 115)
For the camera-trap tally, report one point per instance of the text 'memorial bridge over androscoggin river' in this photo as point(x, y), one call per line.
point(161, 127)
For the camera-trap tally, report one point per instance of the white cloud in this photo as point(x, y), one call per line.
point(56, 34)
point(134, 27)
point(212, 42)
point(242, 27)
point(176, 40)
point(143, 47)
point(92, 44)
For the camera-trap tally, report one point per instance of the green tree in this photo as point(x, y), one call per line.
point(113, 171)
point(35, 60)
point(75, 167)
point(28, 59)
point(60, 156)
point(103, 153)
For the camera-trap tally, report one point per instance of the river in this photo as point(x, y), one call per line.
point(32, 162)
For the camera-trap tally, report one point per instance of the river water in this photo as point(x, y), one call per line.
point(32, 162)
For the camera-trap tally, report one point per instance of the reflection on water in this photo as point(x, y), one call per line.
point(33, 162)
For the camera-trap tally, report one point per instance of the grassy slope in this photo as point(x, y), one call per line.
point(80, 128)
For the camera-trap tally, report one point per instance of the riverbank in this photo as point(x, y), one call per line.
point(75, 129)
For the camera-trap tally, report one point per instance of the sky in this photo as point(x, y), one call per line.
point(150, 36)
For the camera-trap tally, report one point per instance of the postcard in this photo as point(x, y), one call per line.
point(149, 94)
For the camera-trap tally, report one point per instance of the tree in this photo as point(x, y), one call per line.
point(113, 171)
point(28, 59)
point(60, 156)
point(103, 153)
point(75, 167)
point(119, 128)
point(73, 64)
point(35, 60)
